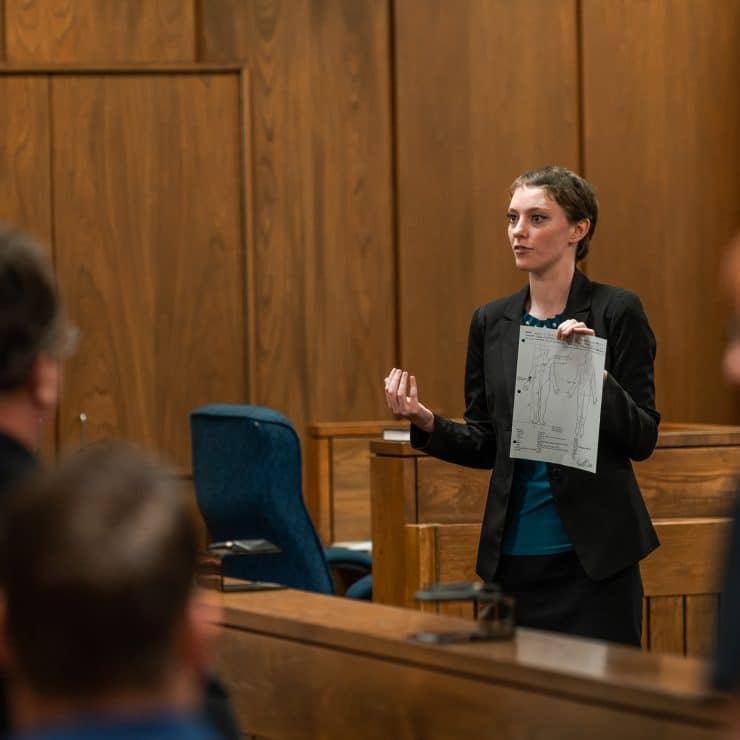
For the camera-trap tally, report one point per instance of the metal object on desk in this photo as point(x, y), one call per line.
point(210, 564)
point(494, 611)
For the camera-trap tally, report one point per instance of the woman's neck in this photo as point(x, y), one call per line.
point(548, 293)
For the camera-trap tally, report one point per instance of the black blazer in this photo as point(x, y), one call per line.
point(603, 512)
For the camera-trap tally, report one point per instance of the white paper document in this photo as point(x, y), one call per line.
point(557, 398)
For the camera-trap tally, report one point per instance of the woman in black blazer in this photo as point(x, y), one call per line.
point(565, 542)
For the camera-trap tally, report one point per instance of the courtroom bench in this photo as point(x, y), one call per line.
point(305, 665)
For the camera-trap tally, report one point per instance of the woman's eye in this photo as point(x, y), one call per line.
point(537, 218)
point(511, 218)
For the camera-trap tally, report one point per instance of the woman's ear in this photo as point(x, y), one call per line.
point(579, 229)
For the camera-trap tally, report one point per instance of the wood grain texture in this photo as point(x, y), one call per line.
point(323, 258)
point(82, 31)
point(688, 559)
point(367, 429)
point(661, 146)
point(689, 482)
point(473, 112)
point(2, 30)
point(439, 554)
point(450, 493)
point(393, 504)
point(150, 257)
point(685, 434)
point(700, 616)
point(25, 169)
point(391, 698)
point(341, 645)
point(667, 624)
point(317, 489)
point(420, 544)
point(351, 489)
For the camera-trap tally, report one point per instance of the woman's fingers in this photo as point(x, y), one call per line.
point(571, 327)
point(413, 389)
point(401, 392)
point(391, 386)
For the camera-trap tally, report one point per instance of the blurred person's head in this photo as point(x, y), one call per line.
point(731, 279)
point(100, 612)
point(33, 337)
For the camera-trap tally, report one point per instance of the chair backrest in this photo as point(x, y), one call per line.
point(247, 475)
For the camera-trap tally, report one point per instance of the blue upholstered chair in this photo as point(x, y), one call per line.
point(247, 474)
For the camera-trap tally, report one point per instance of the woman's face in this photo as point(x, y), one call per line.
point(540, 233)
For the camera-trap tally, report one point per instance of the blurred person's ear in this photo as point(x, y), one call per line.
point(195, 635)
point(43, 382)
point(203, 617)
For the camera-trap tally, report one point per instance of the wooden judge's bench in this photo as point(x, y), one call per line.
point(424, 518)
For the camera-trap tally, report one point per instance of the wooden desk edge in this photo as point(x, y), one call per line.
point(666, 685)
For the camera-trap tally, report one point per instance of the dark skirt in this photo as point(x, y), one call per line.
point(553, 592)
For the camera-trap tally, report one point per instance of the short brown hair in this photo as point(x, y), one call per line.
point(99, 559)
point(571, 192)
point(31, 315)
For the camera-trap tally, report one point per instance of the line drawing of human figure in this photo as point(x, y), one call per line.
point(584, 388)
point(541, 379)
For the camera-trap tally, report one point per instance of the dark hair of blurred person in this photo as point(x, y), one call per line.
point(101, 626)
point(33, 337)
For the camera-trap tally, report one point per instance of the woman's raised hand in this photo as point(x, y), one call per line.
point(402, 397)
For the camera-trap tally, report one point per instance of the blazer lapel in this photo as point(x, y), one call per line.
point(513, 314)
point(578, 306)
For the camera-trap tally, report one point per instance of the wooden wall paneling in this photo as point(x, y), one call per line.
point(700, 616)
point(228, 27)
point(667, 624)
point(85, 31)
point(151, 256)
point(473, 112)
point(661, 115)
point(25, 171)
point(25, 168)
point(2, 30)
point(323, 257)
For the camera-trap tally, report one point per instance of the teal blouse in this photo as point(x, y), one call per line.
point(533, 526)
